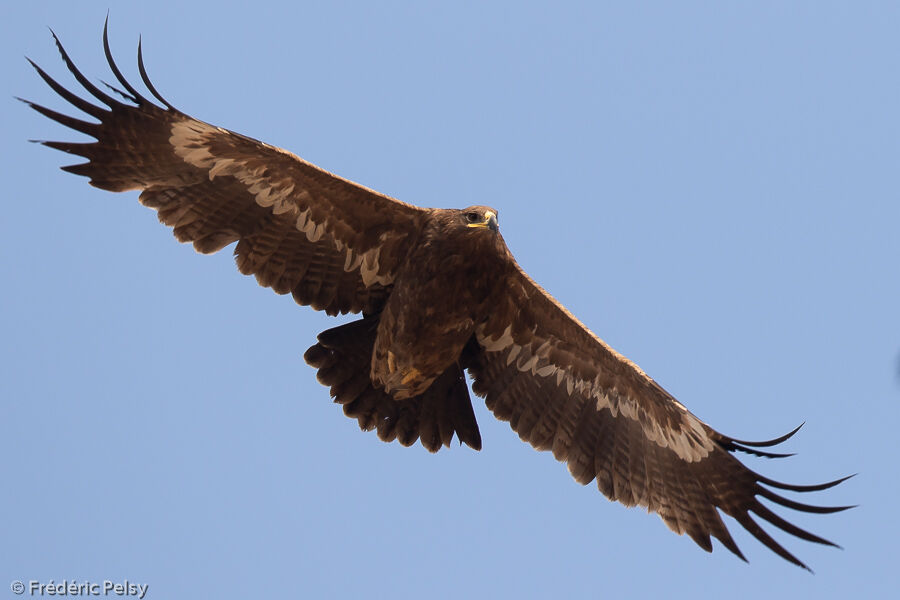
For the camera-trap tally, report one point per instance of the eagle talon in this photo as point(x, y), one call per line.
point(411, 375)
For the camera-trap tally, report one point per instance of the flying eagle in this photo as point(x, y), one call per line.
point(440, 294)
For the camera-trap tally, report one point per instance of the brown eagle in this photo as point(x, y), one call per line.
point(440, 294)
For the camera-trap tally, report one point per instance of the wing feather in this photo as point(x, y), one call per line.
point(563, 389)
point(333, 244)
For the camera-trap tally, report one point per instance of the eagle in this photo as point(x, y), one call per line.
point(440, 296)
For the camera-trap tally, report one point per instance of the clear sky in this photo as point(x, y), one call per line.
point(710, 186)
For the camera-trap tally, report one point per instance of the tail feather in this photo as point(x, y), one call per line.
point(343, 357)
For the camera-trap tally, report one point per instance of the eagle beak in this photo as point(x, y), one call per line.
point(490, 222)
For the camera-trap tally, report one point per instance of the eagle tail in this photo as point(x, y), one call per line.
point(343, 357)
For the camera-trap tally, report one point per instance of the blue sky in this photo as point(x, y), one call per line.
point(711, 187)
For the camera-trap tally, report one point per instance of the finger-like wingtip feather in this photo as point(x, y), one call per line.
point(732, 547)
point(83, 169)
point(801, 488)
point(73, 99)
point(135, 96)
point(790, 528)
point(800, 506)
point(764, 538)
point(117, 91)
point(147, 81)
point(768, 443)
point(734, 446)
point(76, 148)
point(76, 124)
point(90, 87)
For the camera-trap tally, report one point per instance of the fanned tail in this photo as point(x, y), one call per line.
point(343, 357)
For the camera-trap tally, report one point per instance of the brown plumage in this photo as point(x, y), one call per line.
point(440, 295)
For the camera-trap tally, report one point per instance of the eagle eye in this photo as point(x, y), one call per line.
point(473, 217)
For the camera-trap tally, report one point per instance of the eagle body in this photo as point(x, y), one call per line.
point(441, 296)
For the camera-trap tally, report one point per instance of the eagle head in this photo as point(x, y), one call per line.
point(480, 217)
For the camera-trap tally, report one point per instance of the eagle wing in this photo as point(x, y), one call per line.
point(563, 389)
point(333, 244)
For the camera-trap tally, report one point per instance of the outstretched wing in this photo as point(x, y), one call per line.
point(335, 245)
point(563, 389)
